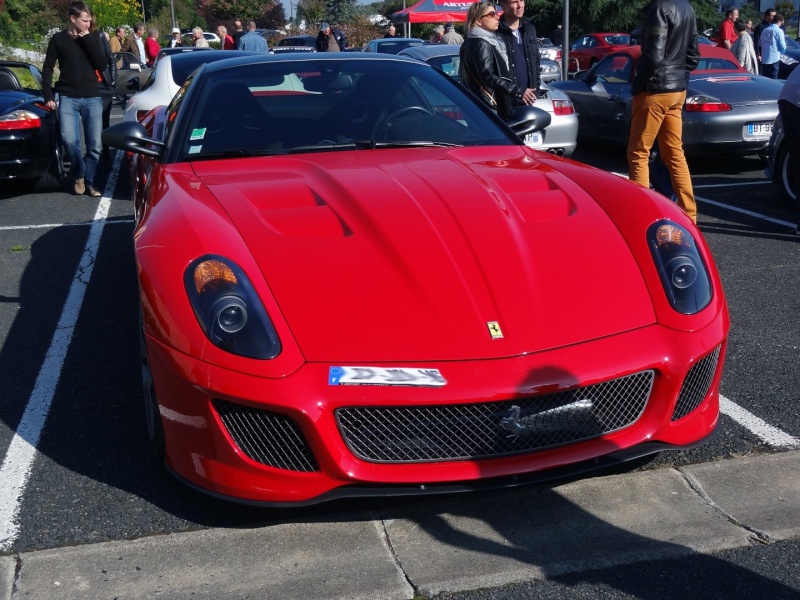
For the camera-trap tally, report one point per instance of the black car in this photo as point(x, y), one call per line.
point(296, 43)
point(30, 141)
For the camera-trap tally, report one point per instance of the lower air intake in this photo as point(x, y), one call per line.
point(491, 429)
point(696, 385)
point(267, 437)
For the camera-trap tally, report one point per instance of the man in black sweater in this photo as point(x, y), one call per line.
point(81, 59)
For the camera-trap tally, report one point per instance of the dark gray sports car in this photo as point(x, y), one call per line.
point(727, 110)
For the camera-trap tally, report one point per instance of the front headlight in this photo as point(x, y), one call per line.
point(683, 273)
point(228, 309)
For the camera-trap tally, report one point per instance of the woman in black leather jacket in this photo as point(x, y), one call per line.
point(484, 62)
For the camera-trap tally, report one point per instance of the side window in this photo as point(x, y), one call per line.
point(615, 69)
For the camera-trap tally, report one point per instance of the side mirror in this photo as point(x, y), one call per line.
point(131, 136)
point(528, 119)
point(133, 84)
point(581, 75)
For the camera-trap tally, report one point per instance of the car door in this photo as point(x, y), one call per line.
point(580, 50)
point(602, 103)
point(128, 68)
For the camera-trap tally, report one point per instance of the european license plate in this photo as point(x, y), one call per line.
point(534, 139)
point(759, 129)
point(385, 376)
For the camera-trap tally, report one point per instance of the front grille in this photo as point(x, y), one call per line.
point(491, 429)
point(267, 437)
point(696, 385)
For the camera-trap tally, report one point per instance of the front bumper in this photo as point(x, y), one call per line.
point(201, 449)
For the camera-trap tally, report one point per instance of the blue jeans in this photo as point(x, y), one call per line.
point(71, 111)
point(771, 70)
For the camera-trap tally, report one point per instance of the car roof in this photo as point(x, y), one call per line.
point(705, 51)
point(424, 52)
point(259, 58)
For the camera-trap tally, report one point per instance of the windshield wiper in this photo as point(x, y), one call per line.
point(371, 145)
point(238, 152)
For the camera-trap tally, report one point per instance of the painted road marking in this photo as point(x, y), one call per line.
point(767, 433)
point(18, 462)
point(56, 225)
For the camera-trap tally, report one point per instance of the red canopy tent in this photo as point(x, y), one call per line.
point(433, 11)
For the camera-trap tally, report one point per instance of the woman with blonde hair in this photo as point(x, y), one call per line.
point(484, 61)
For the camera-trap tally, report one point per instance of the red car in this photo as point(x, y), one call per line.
point(587, 50)
point(372, 286)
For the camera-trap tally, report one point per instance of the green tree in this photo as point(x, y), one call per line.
point(313, 11)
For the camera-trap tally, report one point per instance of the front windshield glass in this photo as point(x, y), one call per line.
point(291, 107)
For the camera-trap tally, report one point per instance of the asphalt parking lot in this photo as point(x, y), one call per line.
point(87, 514)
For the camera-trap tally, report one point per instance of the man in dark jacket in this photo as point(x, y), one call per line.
point(330, 39)
point(519, 36)
point(669, 54)
point(769, 14)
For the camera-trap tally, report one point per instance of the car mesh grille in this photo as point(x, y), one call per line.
point(490, 429)
point(696, 385)
point(267, 437)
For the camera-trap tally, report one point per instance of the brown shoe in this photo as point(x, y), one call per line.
point(80, 186)
point(93, 192)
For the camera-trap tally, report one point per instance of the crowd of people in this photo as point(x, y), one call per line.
point(499, 64)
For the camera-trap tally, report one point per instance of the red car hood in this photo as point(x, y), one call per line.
point(412, 255)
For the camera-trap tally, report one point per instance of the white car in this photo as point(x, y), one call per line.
point(167, 76)
point(560, 137)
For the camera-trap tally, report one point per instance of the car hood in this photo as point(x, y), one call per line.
point(424, 254)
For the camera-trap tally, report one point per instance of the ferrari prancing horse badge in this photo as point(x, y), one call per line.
point(494, 330)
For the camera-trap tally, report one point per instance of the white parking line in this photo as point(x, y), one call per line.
point(721, 185)
point(54, 225)
point(18, 462)
point(749, 213)
point(767, 433)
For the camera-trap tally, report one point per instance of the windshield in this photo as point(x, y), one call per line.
point(617, 40)
point(290, 107)
point(20, 77)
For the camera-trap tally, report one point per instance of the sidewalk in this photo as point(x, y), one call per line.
point(454, 543)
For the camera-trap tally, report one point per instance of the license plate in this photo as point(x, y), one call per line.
point(758, 130)
point(385, 376)
point(534, 139)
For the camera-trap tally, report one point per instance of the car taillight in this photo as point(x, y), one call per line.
point(705, 104)
point(558, 55)
point(140, 114)
point(20, 119)
point(563, 107)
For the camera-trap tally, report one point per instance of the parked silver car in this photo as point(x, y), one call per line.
point(727, 109)
point(779, 168)
point(560, 137)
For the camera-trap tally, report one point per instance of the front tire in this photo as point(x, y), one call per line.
point(152, 414)
point(52, 180)
point(787, 181)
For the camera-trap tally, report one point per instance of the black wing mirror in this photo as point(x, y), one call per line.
point(131, 136)
point(528, 119)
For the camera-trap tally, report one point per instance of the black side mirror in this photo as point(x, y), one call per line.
point(133, 84)
point(528, 119)
point(131, 136)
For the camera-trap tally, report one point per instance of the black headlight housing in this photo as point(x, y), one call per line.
point(228, 309)
point(683, 273)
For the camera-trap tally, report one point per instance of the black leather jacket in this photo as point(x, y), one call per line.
point(482, 66)
point(667, 59)
point(531, 48)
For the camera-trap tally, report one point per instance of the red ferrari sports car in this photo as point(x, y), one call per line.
point(370, 285)
point(587, 50)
